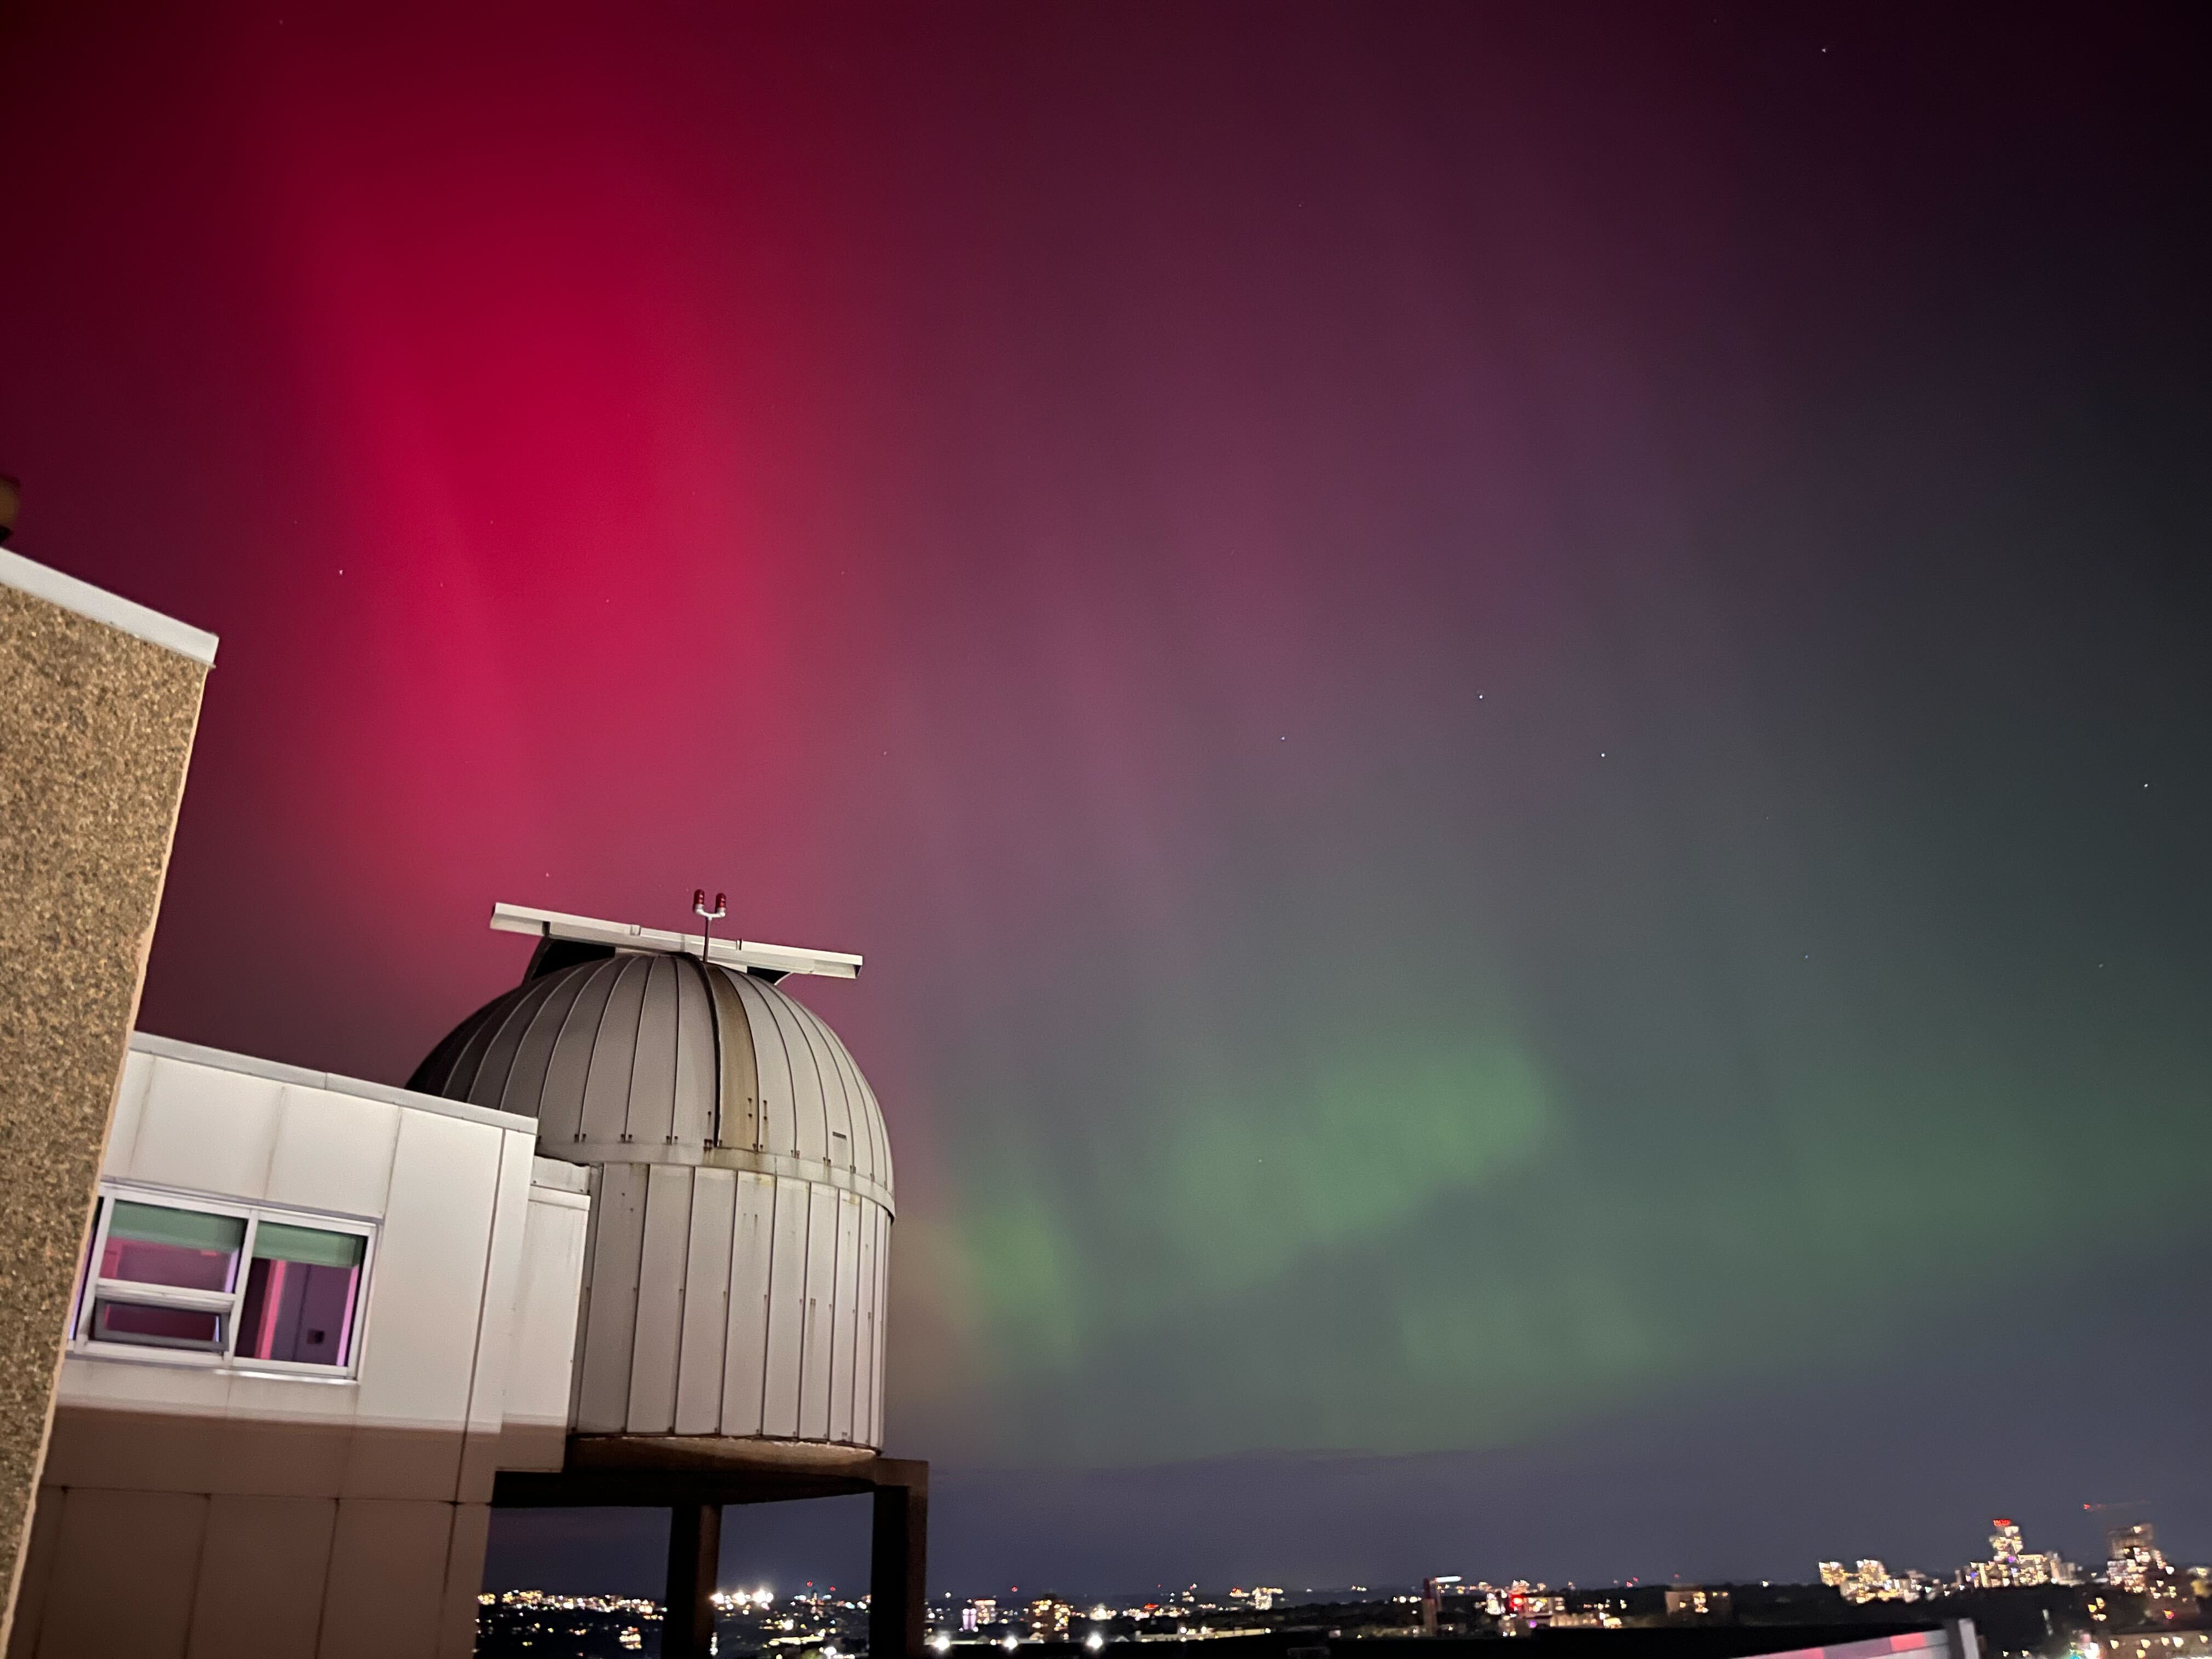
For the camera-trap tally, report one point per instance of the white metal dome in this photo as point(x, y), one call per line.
point(657, 1058)
point(738, 1264)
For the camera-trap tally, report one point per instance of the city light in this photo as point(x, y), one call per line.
point(2136, 1566)
point(2140, 1606)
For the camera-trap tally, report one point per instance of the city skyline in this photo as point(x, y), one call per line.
point(2095, 1540)
point(2134, 1563)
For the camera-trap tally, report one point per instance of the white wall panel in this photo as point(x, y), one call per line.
point(744, 1362)
point(547, 1294)
point(597, 1176)
point(206, 1130)
point(333, 1151)
point(863, 1359)
point(882, 1323)
point(283, 1398)
point(192, 1388)
point(129, 1105)
point(845, 1318)
point(660, 1299)
point(502, 1281)
point(611, 1312)
point(786, 1311)
point(821, 1294)
point(706, 1303)
point(426, 1284)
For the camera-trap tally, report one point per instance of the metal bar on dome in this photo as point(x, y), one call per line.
point(628, 936)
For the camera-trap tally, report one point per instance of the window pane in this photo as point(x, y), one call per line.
point(282, 1243)
point(156, 1327)
point(155, 1244)
point(298, 1311)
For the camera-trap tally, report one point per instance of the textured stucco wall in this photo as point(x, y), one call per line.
point(96, 726)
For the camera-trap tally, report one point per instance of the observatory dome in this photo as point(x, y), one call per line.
point(739, 1261)
point(649, 1057)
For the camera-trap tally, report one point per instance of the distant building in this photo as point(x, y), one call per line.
point(1870, 1580)
point(1695, 1601)
point(2135, 1564)
point(1433, 1591)
point(2011, 1564)
point(1533, 1608)
point(2157, 1644)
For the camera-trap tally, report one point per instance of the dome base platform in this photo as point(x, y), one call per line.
point(695, 1476)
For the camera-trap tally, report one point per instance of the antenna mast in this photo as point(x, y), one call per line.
point(708, 918)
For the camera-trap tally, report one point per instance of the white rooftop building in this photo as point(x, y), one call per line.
point(625, 1239)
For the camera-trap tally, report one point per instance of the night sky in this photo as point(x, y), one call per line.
point(1512, 703)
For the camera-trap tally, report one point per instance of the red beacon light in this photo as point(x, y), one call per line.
point(708, 918)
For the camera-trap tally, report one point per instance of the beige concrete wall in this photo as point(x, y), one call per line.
point(169, 1575)
point(99, 701)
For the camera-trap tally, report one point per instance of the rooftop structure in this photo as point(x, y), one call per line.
point(624, 1239)
point(317, 1317)
point(735, 1279)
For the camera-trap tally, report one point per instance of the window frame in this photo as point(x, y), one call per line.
point(227, 1304)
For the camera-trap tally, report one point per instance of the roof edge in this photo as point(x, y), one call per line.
point(748, 954)
point(97, 605)
point(277, 1071)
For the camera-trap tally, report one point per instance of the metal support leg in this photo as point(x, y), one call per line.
point(897, 1566)
point(695, 1561)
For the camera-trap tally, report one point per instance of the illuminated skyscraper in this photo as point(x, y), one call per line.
point(2011, 1563)
point(2135, 1564)
point(1871, 1580)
